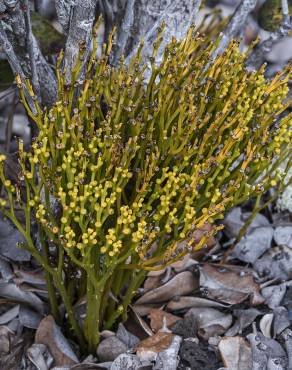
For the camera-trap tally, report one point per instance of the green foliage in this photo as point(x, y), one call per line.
point(124, 170)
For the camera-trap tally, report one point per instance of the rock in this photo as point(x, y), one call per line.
point(127, 361)
point(186, 328)
point(197, 356)
point(110, 348)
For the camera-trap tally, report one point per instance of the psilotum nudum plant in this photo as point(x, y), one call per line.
point(124, 169)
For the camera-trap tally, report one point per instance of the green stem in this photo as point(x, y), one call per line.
point(49, 279)
point(69, 310)
point(92, 320)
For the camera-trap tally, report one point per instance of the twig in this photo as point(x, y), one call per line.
point(16, 35)
point(257, 56)
point(31, 49)
point(178, 16)
point(124, 33)
point(63, 9)
point(79, 33)
point(234, 26)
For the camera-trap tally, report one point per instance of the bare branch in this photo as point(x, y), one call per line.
point(124, 32)
point(16, 31)
point(63, 9)
point(257, 56)
point(234, 26)
point(31, 48)
point(178, 16)
point(81, 22)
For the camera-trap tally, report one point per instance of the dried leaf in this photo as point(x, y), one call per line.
point(275, 264)
point(129, 339)
point(244, 319)
point(168, 358)
point(182, 303)
point(230, 284)
point(40, 356)
point(274, 295)
point(235, 220)
point(283, 235)
point(266, 324)
point(6, 337)
point(210, 322)
point(181, 284)
point(29, 318)
point(148, 349)
point(158, 317)
point(9, 237)
point(254, 244)
point(266, 353)
point(281, 321)
point(9, 315)
point(236, 353)
point(14, 293)
point(48, 333)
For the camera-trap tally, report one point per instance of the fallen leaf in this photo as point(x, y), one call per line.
point(148, 349)
point(266, 353)
point(254, 244)
point(274, 295)
point(180, 284)
point(129, 339)
point(275, 264)
point(145, 309)
point(181, 303)
point(10, 237)
point(236, 219)
point(14, 293)
point(281, 320)
point(210, 322)
point(39, 355)
point(49, 334)
point(168, 358)
point(29, 318)
point(157, 318)
point(230, 284)
point(9, 315)
point(287, 336)
point(266, 324)
point(283, 235)
point(244, 319)
point(235, 353)
point(6, 337)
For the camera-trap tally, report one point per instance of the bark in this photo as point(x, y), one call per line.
point(82, 17)
point(235, 25)
point(24, 45)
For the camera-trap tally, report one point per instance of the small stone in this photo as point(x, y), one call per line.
point(110, 348)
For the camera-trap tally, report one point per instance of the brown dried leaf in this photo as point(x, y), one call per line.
point(236, 353)
point(48, 333)
point(182, 284)
point(148, 349)
point(185, 302)
point(159, 318)
point(230, 284)
point(210, 322)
